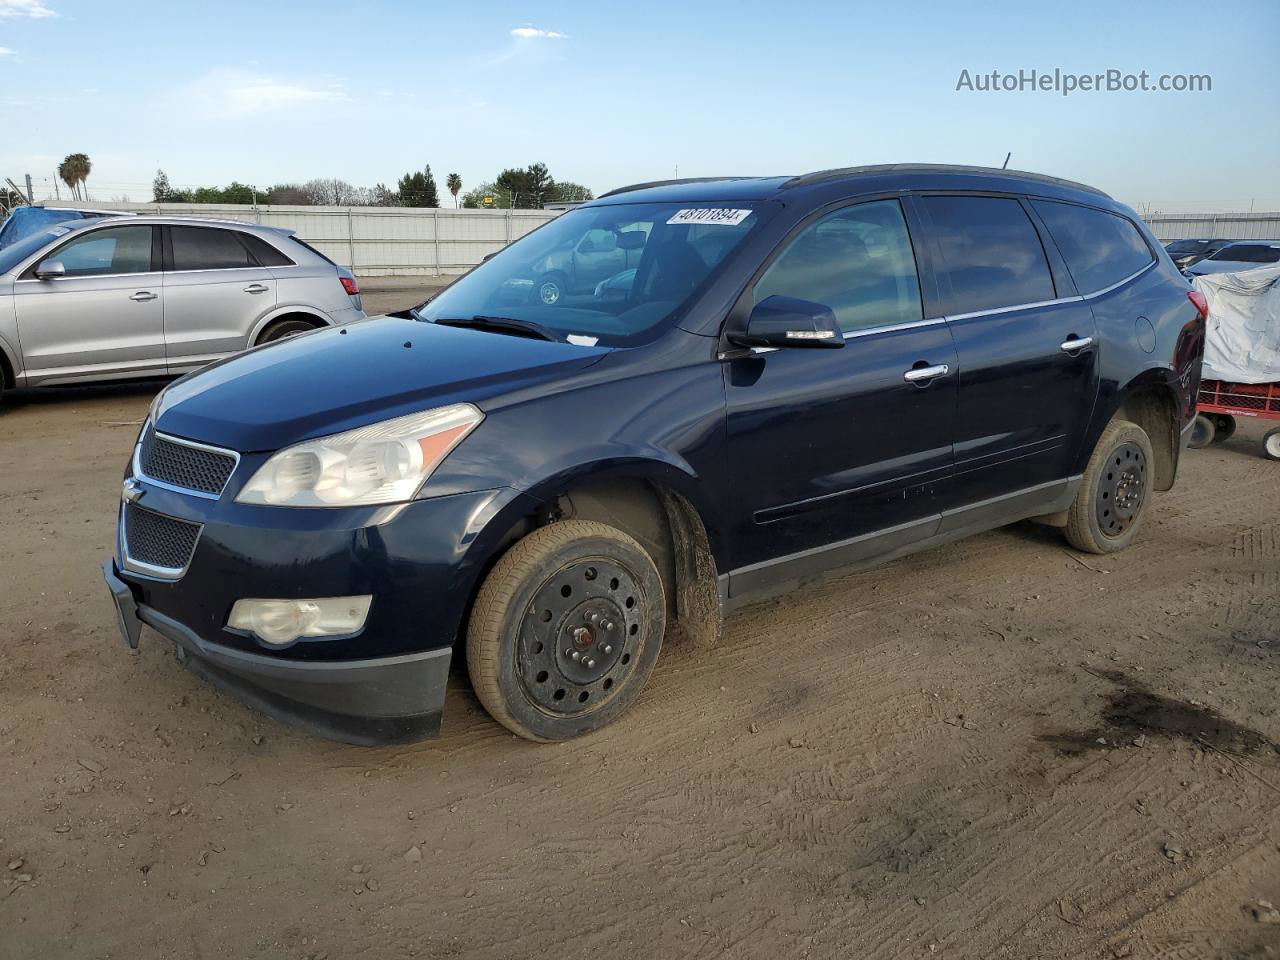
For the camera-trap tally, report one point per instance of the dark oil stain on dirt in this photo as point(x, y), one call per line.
point(1133, 710)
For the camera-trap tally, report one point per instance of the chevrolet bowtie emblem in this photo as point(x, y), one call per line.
point(132, 491)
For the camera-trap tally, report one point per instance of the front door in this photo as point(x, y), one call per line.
point(841, 454)
point(103, 318)
point(1027, 351)
point(215, 293)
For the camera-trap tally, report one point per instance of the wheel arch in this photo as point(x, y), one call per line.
point(288, 312)
point(653, 502)
point(1151, 401)
point(8, 367)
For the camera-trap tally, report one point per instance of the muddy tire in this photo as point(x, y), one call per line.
point(1224, 427)
point(1115, 491)
point(566, 630)
point(1202, 432)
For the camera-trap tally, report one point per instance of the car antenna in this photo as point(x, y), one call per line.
point(1005, 165)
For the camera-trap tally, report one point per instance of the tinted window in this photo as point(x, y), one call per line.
point(207, 248)
point(266, 254)
point(1100, 248)
point(113, 250)
point(1249, 253)
point(990, 251)
point(1182, 248)
point(857, 261)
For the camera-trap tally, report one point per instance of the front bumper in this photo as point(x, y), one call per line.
point(382, 700)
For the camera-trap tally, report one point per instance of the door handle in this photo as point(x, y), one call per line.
point(142, 296)
point(926, 374)
point(1074, 344)
point(256, 288)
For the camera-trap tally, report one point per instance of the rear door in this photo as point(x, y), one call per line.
point(1027, 353)
point(215, 293)
point(104, 318)
point(840, 454)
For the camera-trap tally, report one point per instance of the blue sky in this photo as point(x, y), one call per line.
point(606, 94)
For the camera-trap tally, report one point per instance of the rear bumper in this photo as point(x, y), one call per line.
point(391, 699)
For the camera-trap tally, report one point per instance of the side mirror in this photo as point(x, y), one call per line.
point(779, 321)
point(50, 270)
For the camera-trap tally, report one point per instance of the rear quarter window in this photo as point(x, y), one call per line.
point(1100, 248)
point(991, 253)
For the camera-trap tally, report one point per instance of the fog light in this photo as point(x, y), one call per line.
point(280, 622)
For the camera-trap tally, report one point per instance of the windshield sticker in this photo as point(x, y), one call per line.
point(714, 215)
point(580, 340)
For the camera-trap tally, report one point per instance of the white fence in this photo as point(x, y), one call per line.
point(375, 241)
point(1227, 226)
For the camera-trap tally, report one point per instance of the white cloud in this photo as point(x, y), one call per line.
point(236, 93)
point(24, 8)
point(6, 52)
point(533, 33)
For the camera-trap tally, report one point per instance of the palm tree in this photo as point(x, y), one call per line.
point(83, 166)
point(68, 176)
point(454, 183)
point(73, 171)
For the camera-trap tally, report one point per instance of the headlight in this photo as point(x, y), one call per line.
point(382, 463)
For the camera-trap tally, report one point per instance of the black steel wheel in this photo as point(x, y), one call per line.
point(566, 630)
point(1114, 491)
point(1224, 427)
point(1202, 432)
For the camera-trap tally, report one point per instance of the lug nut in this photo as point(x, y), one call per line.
point(575, 655)
point(589, 663)
point(608, 648)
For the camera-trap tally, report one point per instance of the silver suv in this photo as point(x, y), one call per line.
point(125, 297)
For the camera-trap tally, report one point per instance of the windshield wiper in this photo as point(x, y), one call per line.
point(521, 328)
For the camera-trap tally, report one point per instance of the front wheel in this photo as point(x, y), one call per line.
point(1113, 494)
point(565, 630)
point(1271, 445)
point(549, 290)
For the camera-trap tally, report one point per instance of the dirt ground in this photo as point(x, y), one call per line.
point(999, 748)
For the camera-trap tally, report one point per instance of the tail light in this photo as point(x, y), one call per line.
point(1201, 304)
point(352, 287)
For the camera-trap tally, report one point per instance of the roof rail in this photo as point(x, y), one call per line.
point(840, 173)
point(665, 183)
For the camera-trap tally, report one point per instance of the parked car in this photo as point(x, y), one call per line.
point(24, 221)
point(593, 258)
point(1241, 255)
point(114, 298)
point(1186, 252)
point(806, 374)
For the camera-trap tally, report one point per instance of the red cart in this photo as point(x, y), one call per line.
point(1221, 402)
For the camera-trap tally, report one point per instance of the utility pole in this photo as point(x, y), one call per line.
point(56, 194)
point(30, 196)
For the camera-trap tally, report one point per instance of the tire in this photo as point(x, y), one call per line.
point(283, 329)
point(538, 647)
point(1202, 432)
point(1271, 445)
point(1115, 491)
point(1224, 427)
point(549, 289)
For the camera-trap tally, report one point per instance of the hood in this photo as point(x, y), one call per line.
point(345, 377)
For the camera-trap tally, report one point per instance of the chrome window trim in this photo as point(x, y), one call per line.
point(148, 569)
point(1119, 283)
point(893, 327)
point(1017, 306)
point(87, 276)
point(137, 465)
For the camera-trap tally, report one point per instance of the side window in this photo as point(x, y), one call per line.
point(266, 254)
point(1100, 248)
point(208, 248)
point(113, 250)
point(858, 261)
point(990, 252)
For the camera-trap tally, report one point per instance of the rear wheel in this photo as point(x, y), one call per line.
point(1271, 445)
point(565, 630)
point(548, 290)
point(1113, 494)
point(1224, 427)
point(1202, 432)
point(283, 329)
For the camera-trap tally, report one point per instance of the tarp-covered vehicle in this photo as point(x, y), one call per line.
point(24, 221)
point(1241, 356)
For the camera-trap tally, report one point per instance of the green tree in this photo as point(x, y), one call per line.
point(572, 192)
point(419, 189)
point(454, 183)
point(74, 171)
point(529, 188)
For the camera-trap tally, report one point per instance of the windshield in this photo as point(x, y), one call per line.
point(10, 257)
point(1183, 247)
point(1249, 253)
point(609, 274)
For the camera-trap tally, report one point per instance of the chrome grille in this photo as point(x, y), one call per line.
point(154, 540)
point(180, 463)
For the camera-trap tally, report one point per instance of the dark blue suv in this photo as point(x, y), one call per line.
point(784, 377)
